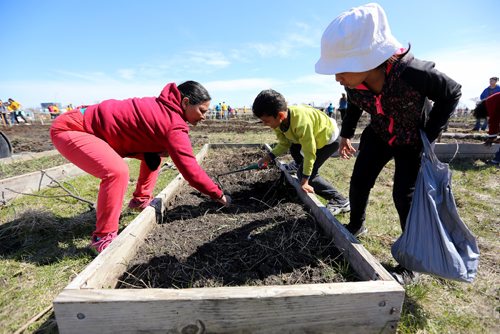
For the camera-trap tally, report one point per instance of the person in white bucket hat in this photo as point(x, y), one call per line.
point(383, 79)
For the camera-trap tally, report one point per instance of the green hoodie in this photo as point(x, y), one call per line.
point(309, 127)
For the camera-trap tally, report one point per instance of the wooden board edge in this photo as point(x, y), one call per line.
point(263, 309)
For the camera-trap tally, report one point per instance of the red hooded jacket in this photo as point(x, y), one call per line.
point(493, 108)
point(139, 125)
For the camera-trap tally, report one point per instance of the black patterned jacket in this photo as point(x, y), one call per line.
point(403, 106)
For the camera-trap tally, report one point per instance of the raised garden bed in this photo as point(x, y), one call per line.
point(265, 238)
point(270, 302)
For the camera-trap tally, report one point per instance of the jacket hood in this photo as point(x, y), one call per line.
point(171, 97)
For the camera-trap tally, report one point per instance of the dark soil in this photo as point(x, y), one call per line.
point(265, 238)
point(232, 125)
point(29, 138)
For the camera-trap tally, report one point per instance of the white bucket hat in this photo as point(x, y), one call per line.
point(356, 41)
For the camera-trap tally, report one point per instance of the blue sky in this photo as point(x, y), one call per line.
point(85, 51)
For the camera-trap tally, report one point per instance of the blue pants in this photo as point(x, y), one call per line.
point(478, 125)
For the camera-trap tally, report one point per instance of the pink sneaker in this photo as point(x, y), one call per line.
point(138, 205)
point(98, 244)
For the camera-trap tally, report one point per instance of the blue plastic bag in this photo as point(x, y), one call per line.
point(436, 241)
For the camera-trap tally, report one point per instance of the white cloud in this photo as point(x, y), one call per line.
point(240, 84)
point(127, 73)
point(289, 43)
point(213, 59)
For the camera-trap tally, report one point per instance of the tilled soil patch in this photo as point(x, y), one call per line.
point(265, 238)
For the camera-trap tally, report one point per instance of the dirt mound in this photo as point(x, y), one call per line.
point(29, 138)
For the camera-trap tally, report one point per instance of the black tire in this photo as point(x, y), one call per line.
point(5, 146)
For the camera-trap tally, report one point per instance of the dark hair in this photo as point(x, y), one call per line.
point(268, 103)
point(194, 91)
point(494, 78)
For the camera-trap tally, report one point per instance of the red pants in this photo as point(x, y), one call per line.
point(96, 157)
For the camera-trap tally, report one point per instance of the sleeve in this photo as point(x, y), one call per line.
point(282, 146)
point(493, 107)
point(180, 150)
point(351, 119)
point(484, 94)
point(437, 87)
point(305, 135)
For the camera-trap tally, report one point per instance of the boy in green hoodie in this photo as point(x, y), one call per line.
point(310, 136)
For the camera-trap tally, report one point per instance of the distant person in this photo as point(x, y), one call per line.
point(4, 112)
point(491, 89)
point(330, 110)
point(224, 110)
point(491, 106)
point(218, 109)
point(15, 112)
point(385, 80)
point(310, 136)
point(342, 106)
point(488, 91)
point(53, 111)
point(96, 138)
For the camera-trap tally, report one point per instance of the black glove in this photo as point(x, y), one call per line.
point(152, 160)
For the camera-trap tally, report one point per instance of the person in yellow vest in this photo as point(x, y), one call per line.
point(224, 110)
point(15, 111)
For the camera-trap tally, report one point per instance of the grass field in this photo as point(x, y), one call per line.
point(43, 246)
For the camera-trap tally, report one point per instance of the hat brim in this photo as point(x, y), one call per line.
point(357, 63)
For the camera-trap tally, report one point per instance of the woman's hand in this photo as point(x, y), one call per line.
point(225, 200)
point(346, 151)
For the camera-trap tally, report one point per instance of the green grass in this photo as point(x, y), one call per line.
point(434, 305)
point(24, 167)
point(48, 238)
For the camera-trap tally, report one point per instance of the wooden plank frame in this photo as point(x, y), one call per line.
point(34, 181)
point(90, 304)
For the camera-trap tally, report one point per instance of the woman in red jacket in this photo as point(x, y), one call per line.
point(96, 138)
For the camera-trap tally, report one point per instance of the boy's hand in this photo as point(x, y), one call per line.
point(304, 184)
point(264, 161)
point(346, 151)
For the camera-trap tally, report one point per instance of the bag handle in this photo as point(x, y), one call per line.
point(428, 150)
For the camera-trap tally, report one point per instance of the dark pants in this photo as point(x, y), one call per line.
point(373, 155)
point(321, 186)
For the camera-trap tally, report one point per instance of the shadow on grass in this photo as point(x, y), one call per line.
point(42, 238)
point(49, 326)
point(413, 317)
point(465, 165)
